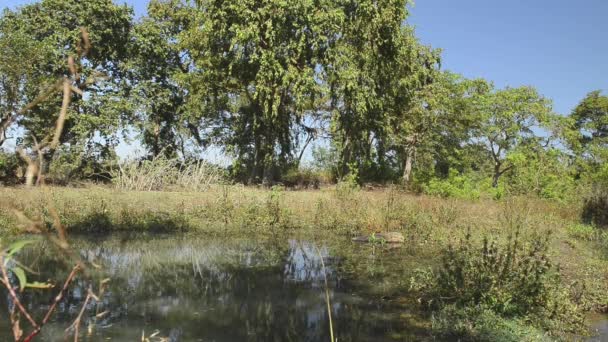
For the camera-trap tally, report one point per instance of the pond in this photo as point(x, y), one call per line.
point(599, 327)
point(195, 289)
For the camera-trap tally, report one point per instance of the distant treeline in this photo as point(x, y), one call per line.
point(266, 80)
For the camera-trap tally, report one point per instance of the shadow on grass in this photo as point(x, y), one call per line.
point(146, 222)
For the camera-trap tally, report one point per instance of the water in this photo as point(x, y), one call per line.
point(195, 289)
point(599, 328)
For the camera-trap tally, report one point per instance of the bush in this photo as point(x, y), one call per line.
point(513, 281)
point(9, 168)
point(301, 178)
point(71, 164)
point(456, 185)
point(595, 207)
point(479, 324)
point(561, 188)
point(583, 232)
point(348, 185)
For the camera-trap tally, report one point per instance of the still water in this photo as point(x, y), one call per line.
point(195, 289)
point(599, 328)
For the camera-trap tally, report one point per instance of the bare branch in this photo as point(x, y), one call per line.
point(56, 301)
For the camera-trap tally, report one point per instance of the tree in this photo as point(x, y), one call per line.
point(591, 124)
point(156, 65)
point(254, 77)
point(435, 120)
point(18, 61)
point(359, 72)
point(507, 122)
point(51, 30)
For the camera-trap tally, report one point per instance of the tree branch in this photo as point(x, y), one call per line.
point(56, 301)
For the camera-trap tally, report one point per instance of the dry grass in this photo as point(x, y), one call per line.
point(354, 212)
point(162, 173)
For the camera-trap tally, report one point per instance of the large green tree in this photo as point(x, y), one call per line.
point(586, 131)
point(52, 30)
point(19, 57)
point(435, 123)
point(360, 73)
point(254, 78)
point(157, 63)
point(591, 124)
point(509, 124)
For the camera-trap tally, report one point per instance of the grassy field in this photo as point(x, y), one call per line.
point(428, 223)
point(227, 209)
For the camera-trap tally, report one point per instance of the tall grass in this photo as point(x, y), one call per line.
point(162, 173)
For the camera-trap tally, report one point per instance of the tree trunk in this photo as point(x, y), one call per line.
point(410, 151)
point(345, 158)
point(253, 177)
point(308, 140)
point(267, 177)
point(496, 176)
point(4, 124)
point(2, 136)
point(407, 166)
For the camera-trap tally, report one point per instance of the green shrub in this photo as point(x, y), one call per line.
point(514, 280)
point(269, 214)
point(557, 187)
point(583, 232)
point(302, 178)
point(595, 207)
point(349, 184)
point(545, 174)
point(9, 168)
point(456, 185)
point(479, 324)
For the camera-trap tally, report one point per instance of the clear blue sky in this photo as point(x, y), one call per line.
point(558, 46)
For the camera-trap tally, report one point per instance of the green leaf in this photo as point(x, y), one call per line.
point(20, 273)
point(17, 246)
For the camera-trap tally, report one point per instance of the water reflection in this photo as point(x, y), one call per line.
point(215, 290)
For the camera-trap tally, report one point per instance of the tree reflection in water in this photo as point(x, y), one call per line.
point(214, 290)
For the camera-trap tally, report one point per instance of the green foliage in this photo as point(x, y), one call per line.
point(349, 184)
point(71, 164)
point(52, 28)
point(302, 178)
point(9, 168)
point(514, 280)
point(373, 74)
point(591, 123)
point(595, 207)
point(543, 172)
point(259, 62)
point(263, 80)
point(325, 161)
point(480, 324)
point(157, 65)
point(584, 232)
point(456, 186)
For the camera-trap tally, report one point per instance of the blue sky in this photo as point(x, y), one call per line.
point(558, 46)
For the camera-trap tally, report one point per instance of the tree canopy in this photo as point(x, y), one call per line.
point(264, 82)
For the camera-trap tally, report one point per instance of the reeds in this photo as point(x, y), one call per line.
point(162, 173)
